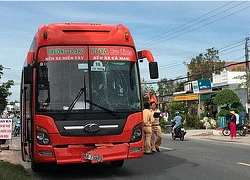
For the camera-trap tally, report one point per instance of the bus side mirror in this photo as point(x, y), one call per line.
point(153, 66)
point(153, 70)
point(28, 75)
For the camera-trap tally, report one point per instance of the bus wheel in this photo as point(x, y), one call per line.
point(36, 167)
point(117, 163)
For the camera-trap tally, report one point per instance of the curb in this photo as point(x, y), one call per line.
point(220, 140)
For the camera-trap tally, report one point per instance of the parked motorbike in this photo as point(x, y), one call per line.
point(17, 129)
point(180, 132)
point(240, 129)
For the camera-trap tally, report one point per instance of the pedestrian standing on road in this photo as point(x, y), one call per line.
point(156, 128)
point(147, 127)
point(233, 125)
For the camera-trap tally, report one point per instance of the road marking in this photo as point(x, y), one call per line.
point(166, 148)
point(243, 164)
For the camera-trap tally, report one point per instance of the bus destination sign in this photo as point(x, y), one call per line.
point(115, 53)
point(60, 53)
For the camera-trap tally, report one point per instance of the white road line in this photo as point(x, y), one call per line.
point(166, 148)
point(243, 164)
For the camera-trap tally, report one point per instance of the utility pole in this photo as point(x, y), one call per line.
point(247, 77)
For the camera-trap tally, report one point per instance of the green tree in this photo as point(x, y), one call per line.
point(4, 91)
point(203, 62)
point(169, 86)
point(237, 106)
point(175, 106)
point(227, 98)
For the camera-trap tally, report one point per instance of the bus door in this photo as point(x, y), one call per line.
point(26, 112)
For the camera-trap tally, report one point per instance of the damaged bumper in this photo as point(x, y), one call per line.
point(98, 153)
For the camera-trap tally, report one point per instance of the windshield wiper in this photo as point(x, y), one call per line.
point(73, 103)
point(108, 110)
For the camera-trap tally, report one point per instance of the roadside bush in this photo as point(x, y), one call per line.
point(193, 121)
point(224, 112)
point(237, 106)
point(174, 106)
point(163, 125)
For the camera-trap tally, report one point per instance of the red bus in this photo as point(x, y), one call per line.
point(81, 95)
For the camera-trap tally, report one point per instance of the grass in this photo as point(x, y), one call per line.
point(12, 171)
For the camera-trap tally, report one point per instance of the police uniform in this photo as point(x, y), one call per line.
point(147, 128)
point(156, 132)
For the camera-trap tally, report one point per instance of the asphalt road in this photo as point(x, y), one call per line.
point(191, 159)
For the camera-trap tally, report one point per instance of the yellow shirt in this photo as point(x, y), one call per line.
point(147, 117)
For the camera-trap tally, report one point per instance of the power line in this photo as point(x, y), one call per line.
point(162, 39)
point(230, 48)
point(176, 64)
point(156, 37)
point(231, 44)
point(181, 61)
point(231, 51)
point(185, 77)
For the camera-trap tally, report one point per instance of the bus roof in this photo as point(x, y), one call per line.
point(75, 33)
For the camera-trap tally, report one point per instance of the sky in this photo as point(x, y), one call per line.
point(167, 29)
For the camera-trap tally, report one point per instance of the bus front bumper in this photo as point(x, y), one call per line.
point(94, 154)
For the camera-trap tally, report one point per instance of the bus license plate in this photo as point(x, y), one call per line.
point(93, 158)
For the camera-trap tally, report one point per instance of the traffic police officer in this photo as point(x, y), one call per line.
point(156, 129)
point(147, 127)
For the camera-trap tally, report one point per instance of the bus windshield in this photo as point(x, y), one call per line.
point(110, 84)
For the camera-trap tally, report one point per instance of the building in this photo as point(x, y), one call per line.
point(234, 80)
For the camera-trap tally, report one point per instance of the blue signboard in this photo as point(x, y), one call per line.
point(204, 85)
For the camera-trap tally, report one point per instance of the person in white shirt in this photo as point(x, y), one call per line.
point(165, 116)
point(237, 117)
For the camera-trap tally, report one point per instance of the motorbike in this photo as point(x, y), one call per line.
point(180, 132)
point(240, 129)
point(17, 129)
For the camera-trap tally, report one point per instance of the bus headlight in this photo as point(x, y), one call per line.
point(39, 135)
point(137, 133)
point(42, 136)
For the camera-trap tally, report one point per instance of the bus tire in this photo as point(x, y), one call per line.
point(117, 163)
point(36, 167)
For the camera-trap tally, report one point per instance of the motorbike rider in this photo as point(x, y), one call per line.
point(17, 128)
point(177, 120)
